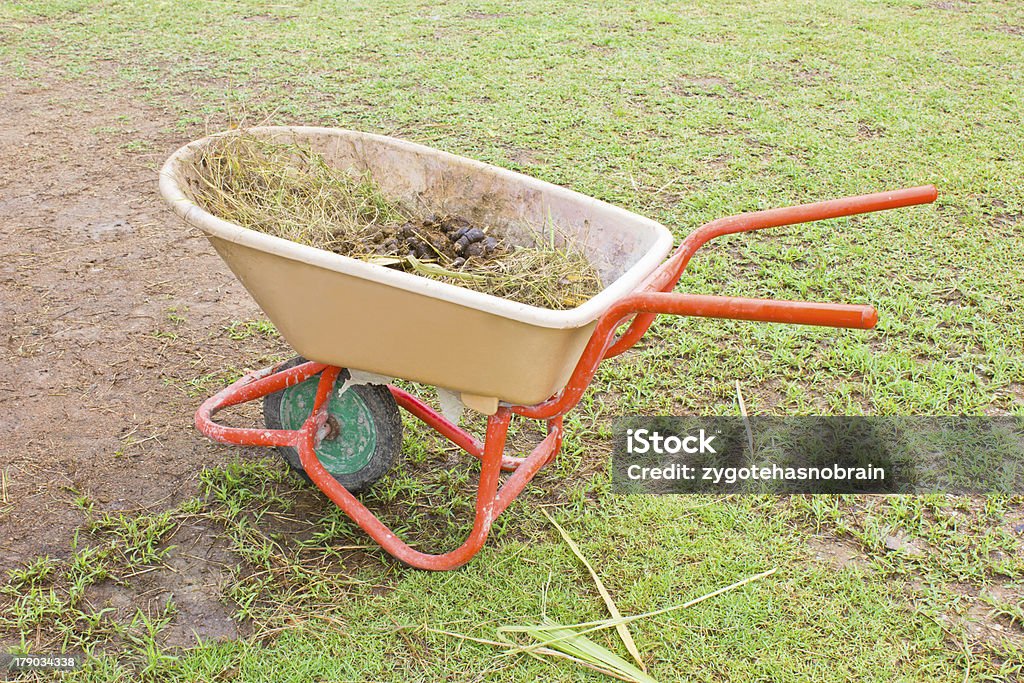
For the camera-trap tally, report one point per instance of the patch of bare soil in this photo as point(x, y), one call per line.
point(702, 86)
point(951, 6)
point(984, 622)
point(109, 308)
point(1011, 29)
point(192, 579)
point(837, 552)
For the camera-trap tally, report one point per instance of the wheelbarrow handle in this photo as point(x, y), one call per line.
point(818, 211)
point(764, 310)
point(666, 277)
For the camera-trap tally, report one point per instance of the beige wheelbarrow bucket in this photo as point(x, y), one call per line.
point(503, 357)
point(343, 311)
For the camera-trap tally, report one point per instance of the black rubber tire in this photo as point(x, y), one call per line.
point(386, 418)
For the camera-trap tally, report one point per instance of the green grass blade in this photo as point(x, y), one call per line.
point(613, 610)
point(589, 626)
point(571, 643)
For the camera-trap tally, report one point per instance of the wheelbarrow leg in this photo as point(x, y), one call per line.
point(490, 501)
point(544, 453)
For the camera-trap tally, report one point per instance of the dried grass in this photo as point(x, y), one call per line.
point(289, 191)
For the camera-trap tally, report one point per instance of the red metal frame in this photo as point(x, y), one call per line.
point(653, 297)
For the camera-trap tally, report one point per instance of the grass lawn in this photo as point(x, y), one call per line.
point(683, 112)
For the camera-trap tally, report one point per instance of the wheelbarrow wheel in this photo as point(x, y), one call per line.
point(364, 428)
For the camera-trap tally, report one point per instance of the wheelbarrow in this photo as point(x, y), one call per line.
point(346, 318)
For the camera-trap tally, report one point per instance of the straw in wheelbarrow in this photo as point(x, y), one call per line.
point(289, 191)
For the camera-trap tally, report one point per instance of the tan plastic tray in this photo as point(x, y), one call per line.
point(342, 311)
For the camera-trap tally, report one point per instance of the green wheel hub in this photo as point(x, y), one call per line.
point(362, 437)
point(351, 439)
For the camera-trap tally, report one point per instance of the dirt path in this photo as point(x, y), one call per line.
point(113, 325)
point(109, 308)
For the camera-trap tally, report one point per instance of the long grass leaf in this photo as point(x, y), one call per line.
point(546, 652)
point(583, 648)
point(589, 626)
point(622, 629)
